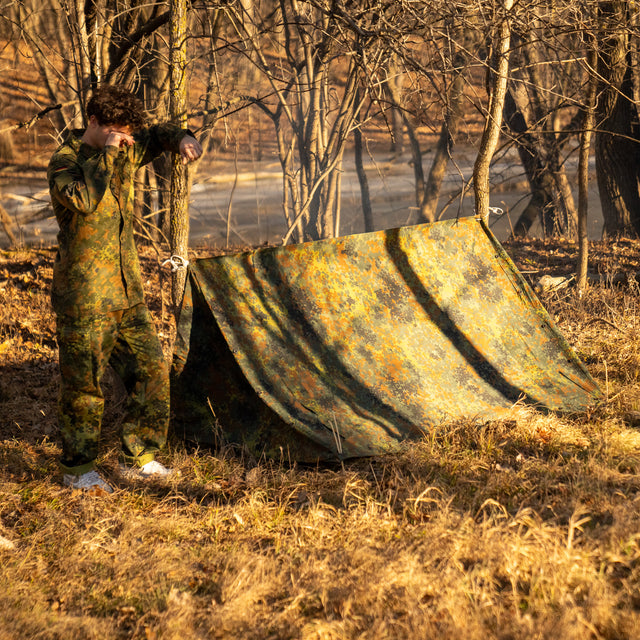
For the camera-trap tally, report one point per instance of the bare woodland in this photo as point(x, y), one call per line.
point(556, 80)
point(523, 527)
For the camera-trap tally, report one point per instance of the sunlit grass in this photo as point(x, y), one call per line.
point(526, 526)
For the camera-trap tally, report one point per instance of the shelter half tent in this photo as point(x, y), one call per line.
point(347, 347)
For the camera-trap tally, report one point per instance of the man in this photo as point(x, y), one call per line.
point(97, 289)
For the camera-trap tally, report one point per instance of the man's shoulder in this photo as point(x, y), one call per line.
point(66, 155)
point(70, 144)
point(63, 156)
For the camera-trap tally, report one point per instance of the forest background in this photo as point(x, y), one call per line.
point(512, 528)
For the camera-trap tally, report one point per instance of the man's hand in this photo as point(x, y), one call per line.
point(119, 138)
point(190, 149)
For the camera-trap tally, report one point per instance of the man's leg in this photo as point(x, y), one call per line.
point(84, 347)
point(138, 359)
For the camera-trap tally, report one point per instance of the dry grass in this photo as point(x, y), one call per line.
point(525, 527)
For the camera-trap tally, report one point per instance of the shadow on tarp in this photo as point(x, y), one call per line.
point(347, 347)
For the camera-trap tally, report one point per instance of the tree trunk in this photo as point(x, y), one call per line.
point(155, 81)
point(179, 203)
point(367, 211)
point(491, 133)
point(7, 225)
point(583, 173)
point(616, 146)
point(540, 181)
point(567, 224)
point(82, 50)
point(394, 82)
point(416, 151)
point(443, 149)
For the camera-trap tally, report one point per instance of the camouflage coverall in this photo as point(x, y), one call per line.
point(98, 298)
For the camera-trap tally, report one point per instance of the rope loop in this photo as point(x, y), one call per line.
point(496, 211)
point(176, 262)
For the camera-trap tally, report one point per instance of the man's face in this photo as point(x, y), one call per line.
point(99, 133)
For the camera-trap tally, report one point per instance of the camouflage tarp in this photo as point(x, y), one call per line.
point(347, 347)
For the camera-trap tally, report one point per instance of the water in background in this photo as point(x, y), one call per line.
point(247, 211)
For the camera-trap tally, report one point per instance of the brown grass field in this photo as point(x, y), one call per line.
point(527, 527)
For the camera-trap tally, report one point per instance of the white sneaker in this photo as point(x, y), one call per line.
point(153, 469)
point(91, 482)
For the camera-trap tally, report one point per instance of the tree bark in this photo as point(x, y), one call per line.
point(491, 133)
point(442, 156)
point(394, 82)
point(583, 173)
point(82, 50)
point(365, 194)
point(540, 181)
point(616, 145)
point(179, 198)
point(7, 225)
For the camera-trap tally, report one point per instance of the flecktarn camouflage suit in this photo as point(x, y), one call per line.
point(98, 298)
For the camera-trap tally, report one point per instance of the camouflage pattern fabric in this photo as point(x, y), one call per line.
point(126, 340)
point(98, 296)
point(351, 346)
point(96, 268)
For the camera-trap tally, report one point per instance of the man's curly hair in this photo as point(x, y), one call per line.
point(115, 105)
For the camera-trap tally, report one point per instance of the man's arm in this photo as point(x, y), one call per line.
point(166, 137)
point(80, 188)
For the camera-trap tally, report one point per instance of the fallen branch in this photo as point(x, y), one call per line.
point(607, 322)
point(549, 283)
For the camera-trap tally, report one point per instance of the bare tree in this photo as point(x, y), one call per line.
point(583, 169)
point(321, 70)
point(179, 204)
point(616, 140)
point(77, 44)
point(367, 211)
point(535, 114)
point(312, 117)
point(459, 46)
point(491, 133)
